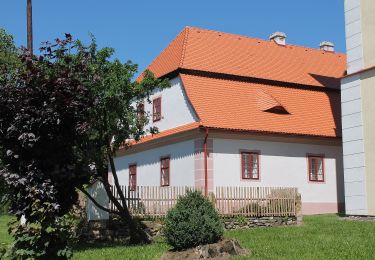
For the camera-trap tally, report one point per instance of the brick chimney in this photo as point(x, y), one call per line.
point(278, 37)
point(327, 46)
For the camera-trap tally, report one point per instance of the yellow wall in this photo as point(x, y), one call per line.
point(368, 103)
point(368, 32)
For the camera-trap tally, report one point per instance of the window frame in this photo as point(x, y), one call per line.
point(156, 116)
point(251, 178)
point(315, 156)
point(131, 186)
point(169, 171)
point(140, 111)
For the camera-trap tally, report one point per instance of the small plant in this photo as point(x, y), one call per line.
point(138, 208)
point(3, 249)
point(241, 220)
point(193, 221)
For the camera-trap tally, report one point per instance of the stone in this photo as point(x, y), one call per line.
point(96, 232)
point(221, 250)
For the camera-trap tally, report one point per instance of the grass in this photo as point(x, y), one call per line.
point(4, 237)
point(320, 237)
point(153, 251)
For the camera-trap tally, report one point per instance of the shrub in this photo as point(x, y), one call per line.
point(3, 249)
point(193, 221)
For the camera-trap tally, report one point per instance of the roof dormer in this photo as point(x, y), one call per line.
point(267, 103)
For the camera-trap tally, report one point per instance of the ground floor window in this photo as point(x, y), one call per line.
point(250, 165)
point(132, 177)
point(316, 168)
point(164, 171)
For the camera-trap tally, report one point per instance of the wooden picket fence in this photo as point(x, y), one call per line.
point(151, 201)
point(155, 201)
point(256, 201)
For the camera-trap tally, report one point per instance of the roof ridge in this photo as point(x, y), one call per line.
point(267, 41)
point(242, 56)
point(186, 36)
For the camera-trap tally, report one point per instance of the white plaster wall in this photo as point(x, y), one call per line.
point(281, 165)
point(148, 165)
point(353, 29)
point(98, 192)
point(353, 146)
point(175, 107)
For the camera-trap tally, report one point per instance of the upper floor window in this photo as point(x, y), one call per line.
point(156, 109)
point(250, 165)
point(316, 168)
point(132, 177)
point(141, 111)
point(164, 171)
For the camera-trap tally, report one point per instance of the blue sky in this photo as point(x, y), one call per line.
point(140, 29)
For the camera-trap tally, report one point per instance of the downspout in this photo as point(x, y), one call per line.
point(205, 164)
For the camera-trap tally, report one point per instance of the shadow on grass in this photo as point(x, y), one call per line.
point(82, 246)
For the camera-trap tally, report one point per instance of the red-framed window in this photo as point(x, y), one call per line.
point(141, 111)
point(132, 177)
point(316, 168)
point(250, 165)
point(164, 171)
point(156, 109)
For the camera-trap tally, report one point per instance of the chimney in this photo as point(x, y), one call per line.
point(327, 46)
point(278, 37)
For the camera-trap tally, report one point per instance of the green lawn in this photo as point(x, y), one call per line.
point(4, 237)
point(321, 237)
point(153, 251)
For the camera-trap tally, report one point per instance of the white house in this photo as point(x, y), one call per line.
point(244, 112)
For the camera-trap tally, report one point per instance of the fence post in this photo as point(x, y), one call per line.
point(211, 197)
point(298, 208)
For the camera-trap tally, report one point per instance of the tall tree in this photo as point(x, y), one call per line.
point(43, 129)
point(62, 121)
point(114, 119)
point(9, 63)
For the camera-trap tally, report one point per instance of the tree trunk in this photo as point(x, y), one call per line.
point(137, 233)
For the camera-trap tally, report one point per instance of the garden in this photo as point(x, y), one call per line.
point(320, 237)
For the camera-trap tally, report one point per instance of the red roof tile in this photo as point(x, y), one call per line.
point(169, 132)
point(234, 105)
point(206, 50)
point(255, 106)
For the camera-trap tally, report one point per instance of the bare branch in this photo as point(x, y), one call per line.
point(97, 203)
point(114, 174)
point(109, 193)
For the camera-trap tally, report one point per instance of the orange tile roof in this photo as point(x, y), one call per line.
point(234, 105)
point(169, 132)
point(206, 50)
point(254, 106)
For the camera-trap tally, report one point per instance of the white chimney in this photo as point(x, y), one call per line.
point(278, 37)
point(327, 46)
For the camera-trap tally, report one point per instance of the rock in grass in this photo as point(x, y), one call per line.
point(223, 249)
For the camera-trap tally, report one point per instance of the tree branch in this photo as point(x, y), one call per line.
point(114, 174)
point(97, 203)
point(109, 192)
